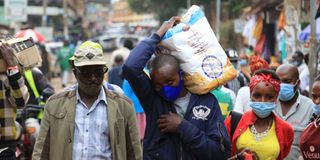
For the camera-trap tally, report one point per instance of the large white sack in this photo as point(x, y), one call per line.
point(204, 63)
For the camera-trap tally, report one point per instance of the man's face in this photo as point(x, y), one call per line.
point(90, 78)
point(165, 76)
point(297, 60)
point(287, 76)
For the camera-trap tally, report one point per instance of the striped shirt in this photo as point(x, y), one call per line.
point(91, 130)
point(13, 94)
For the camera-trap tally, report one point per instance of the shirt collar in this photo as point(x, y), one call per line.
point(293, 108)
point(101, 97)
point(296, 104)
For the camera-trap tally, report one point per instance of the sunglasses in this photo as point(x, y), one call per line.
point(98, 73)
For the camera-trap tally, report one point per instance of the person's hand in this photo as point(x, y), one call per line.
point(7, 54)
point(167, 25)
point(169, 122)
point(247, 154)
point(161, 50)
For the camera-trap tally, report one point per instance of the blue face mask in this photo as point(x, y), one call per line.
point(286, 91)
point(316, 109)
point(262, 109)
point(171, 93)
point(243, 62)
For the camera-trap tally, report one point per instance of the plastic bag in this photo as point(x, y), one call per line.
point(204, 63)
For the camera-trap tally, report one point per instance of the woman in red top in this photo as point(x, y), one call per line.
point(309, 139)
point(260, 133)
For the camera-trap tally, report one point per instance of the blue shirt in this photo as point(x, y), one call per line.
point(130, 94)
point(91, 136)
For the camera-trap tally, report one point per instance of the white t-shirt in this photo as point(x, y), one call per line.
point(304, 76)
point(242, 100)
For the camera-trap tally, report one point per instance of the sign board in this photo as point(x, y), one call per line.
point(15, 10)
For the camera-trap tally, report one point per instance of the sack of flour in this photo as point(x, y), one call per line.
point(204, 63)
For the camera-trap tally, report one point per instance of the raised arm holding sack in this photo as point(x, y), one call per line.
point(180, 124)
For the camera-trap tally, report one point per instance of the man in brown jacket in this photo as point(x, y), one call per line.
point(90, 121)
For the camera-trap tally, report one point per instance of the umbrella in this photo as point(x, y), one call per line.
point(36, 36)
point(305, 33)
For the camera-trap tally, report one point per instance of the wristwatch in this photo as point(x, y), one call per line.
point(12, 70)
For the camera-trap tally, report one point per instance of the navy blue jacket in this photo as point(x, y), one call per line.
point(200, 136)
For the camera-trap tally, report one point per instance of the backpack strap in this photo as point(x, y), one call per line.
point(235, 118)
point(241, 80)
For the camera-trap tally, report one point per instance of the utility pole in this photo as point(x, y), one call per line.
point(44, 14)
point(313, 55)
point(218, 19)
point(188, 4)
point(65, 20)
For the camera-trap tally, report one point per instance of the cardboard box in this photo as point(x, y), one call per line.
point(26, 51)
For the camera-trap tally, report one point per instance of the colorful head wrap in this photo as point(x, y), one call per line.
point(267, 79)
point(257, 63)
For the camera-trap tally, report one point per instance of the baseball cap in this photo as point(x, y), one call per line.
point(232, 54)
point(88, 53)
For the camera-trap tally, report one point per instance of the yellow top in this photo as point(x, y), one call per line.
point(267, 148)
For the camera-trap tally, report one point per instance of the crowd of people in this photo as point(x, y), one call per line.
point(145, 112)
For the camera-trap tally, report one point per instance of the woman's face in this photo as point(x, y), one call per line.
point(263, 92)
point(315, 93)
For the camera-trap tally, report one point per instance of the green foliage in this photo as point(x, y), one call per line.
point(236, 6)
point(164, 9)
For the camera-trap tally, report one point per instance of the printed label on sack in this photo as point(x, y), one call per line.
point(212, 67)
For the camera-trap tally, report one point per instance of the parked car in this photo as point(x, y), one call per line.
point(113, 42)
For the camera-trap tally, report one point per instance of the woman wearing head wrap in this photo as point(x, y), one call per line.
point(257, 63)
point(309, 139)
point(260, 133)
point(243, 95)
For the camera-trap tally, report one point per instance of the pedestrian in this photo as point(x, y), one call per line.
point(244, 66)
point(13, 94)
point(240, 80)
point(293, 107)
point(140, 115)
point(260, 133)
point(38, 85)
point(63, 59)
point(180, 125)
point(115, 74)
point(224, 99)
point(299, 61)
point(243, 96)
point(123, 51)
point(309, 140)
point(89, 122)
point(46, 61)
